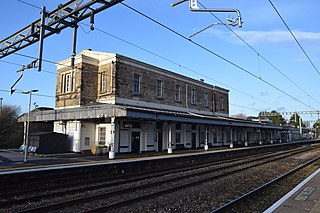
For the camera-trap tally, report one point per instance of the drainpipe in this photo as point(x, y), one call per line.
point(187, 106)
point(213, 101)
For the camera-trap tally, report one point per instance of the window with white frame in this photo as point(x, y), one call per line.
point(159, 89)
point(136, 83)
point(68, 87)
point(193, 96)
point(205, 99)
point(102, 135)
point(66, 83)
point(178, 93)
point(103, 82)
point(87, 141)
point(222, 102)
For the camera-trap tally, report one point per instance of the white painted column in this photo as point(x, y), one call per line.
point(231, 134)
point(112, 132)
point(271, 137)
point(260, 137)
point(300, 127)
point(170, 139)
point(206, 147)
point(24, 132)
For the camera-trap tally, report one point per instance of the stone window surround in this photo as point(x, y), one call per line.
point(205, 99)
point(67, 82)
point(222, 103)
point(136, 83)
point(193, 96)
point(159, 88)
point(178, 93)
point(103, 82)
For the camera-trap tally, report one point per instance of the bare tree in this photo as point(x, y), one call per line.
point(240, 116)
point(10, 130)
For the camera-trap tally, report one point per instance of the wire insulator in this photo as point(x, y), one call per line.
point(92, 21)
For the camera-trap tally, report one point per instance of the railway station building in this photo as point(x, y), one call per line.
point(132, 106)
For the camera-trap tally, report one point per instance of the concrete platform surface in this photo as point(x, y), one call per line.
point(13, 160)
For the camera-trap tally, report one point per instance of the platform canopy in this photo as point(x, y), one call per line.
point(97, 111)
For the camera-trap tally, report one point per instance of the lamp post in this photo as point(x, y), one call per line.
point(1, 106)
point(28, 124)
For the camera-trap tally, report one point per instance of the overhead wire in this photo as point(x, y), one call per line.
point(27, 3)
point(261, 56)
point(215, 54)
point(143, 82)
point(9, 62)
point(21, 65)
point(154, 54)
point(294, 37)
point(21, 92)
point(257, 110)
point(143, 50)
point(150, 52)
point(182, 66)
point(157, 56)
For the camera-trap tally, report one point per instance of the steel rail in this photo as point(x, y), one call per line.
point(123, 180)
point(151, 185)
point(57, 180)
point(240, 199)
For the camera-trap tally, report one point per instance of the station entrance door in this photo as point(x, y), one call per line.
point(135, 142)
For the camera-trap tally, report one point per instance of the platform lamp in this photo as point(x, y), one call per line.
point(1, 106)
point(28, 124)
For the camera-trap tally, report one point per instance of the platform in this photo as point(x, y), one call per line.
point(304, 198)
point(12, 160)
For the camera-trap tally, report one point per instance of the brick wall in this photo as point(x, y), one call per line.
point(120, 84)
point(89, 83)
point(110, 90)
point(71, 98)
point(124, 88)
point(84, 88)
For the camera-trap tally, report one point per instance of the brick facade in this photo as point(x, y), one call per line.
point(117, 72)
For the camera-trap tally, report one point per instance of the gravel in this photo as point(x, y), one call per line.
point(198, 198)
point(213, 194)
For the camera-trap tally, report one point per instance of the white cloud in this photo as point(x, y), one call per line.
point(259, 37)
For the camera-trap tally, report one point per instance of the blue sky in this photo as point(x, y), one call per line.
point(294, 81)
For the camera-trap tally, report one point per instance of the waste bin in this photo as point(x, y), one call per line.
point(99, 150)
point(105, 150)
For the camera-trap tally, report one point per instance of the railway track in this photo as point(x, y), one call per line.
point(68, 177)
point(146, 186)
point(234, 205)
point(47, 191)
point(42, 190)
